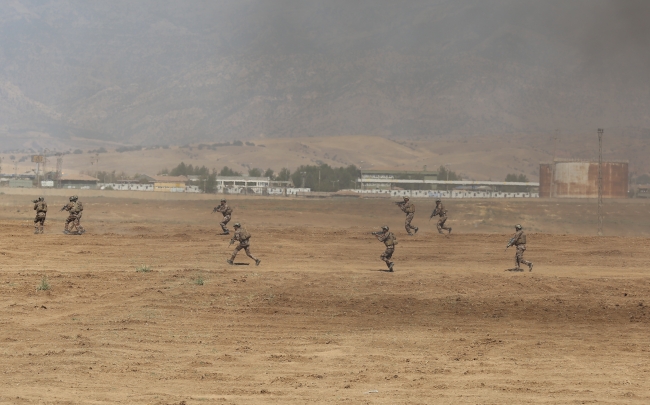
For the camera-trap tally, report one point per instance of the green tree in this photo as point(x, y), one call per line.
point(180, 170)
point(209, 182)
point(255, 172)
point(269, 173)
point(283, 175)
point(447, 175)
point(226, 171)
point(325, 178)
point(643, 179)
point(514, 178)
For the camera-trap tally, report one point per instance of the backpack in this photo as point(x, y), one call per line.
point(244, 234)
point(78, 207)
point(391, 240)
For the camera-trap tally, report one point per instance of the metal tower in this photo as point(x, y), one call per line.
point(600, 181)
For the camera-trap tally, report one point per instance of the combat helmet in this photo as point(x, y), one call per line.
point(406, 198)
point(237, 225)
point(518, 227)
point(223, 201)
point(438, 200)
point(72, 198)
point(384, 228)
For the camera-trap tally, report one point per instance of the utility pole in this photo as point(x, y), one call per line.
point(553, 188)
point(59, 170)
point(600, 181)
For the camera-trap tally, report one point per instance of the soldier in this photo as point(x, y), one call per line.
point(390, 241)
point(74, 208)
point(78, 209)
point(442, 212)
point(227, 212)
point(41, 211)
point(242, 236)
point(519, 240)
point(408, 208)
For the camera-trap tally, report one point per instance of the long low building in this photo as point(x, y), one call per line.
point(80, 181)
point(242, 185)
point(384, 178)
point(169, 184)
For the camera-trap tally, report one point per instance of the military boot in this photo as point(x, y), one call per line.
point(257, 262)
point(530, 266)
point(230, 262)
point(35, 229)
point(449, 231)
point(390, 266)
point(41, 230)
point(416, 229)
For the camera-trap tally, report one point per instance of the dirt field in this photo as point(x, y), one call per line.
point(319, 321)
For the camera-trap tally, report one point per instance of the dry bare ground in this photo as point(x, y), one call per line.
point(319, 321)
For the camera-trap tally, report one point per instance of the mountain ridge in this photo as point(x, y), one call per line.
point(161, 72)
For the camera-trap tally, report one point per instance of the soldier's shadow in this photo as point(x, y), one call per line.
point(382, 271)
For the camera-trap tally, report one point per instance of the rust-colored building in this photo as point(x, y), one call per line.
point(579, 179)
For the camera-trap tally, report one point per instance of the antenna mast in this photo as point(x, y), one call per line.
point(600, 181)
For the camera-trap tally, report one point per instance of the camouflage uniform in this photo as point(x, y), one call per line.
point(75, 210)
point(227, 213)
point(442, 213)
point(520, 242)
point(389, 240)
point(243, 237)
point(41, 211)
point(72, 217)
point(409, 209)
point(78, 209)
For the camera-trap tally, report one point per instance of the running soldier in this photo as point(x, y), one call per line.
point(41, 211)
point(442, 212)
point(74, 208)
point(519, 240)
point(227, 213)
point(408, 208)
point(243, 237)
point(390, 241)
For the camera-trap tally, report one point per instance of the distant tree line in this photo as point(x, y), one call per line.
point(317, 177)
point(447, 175)
point(516, 178)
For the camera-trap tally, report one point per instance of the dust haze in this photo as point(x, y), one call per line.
point(163, 72)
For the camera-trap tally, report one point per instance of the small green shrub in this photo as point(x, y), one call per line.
point(199, 280)
point(44, 286)
point(143, 268)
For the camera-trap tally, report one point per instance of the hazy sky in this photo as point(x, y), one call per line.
point(152, 71)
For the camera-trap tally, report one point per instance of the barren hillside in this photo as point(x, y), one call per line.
point(480, 158)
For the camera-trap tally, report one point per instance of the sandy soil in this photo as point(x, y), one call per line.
point(319, 321)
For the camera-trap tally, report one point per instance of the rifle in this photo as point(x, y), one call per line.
point(433, 214)
point(35, 201)
point(231, 242)
point(510, 242)
point(63, 208)
point(215, 210)
point(398, 202)
point(376, 233)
